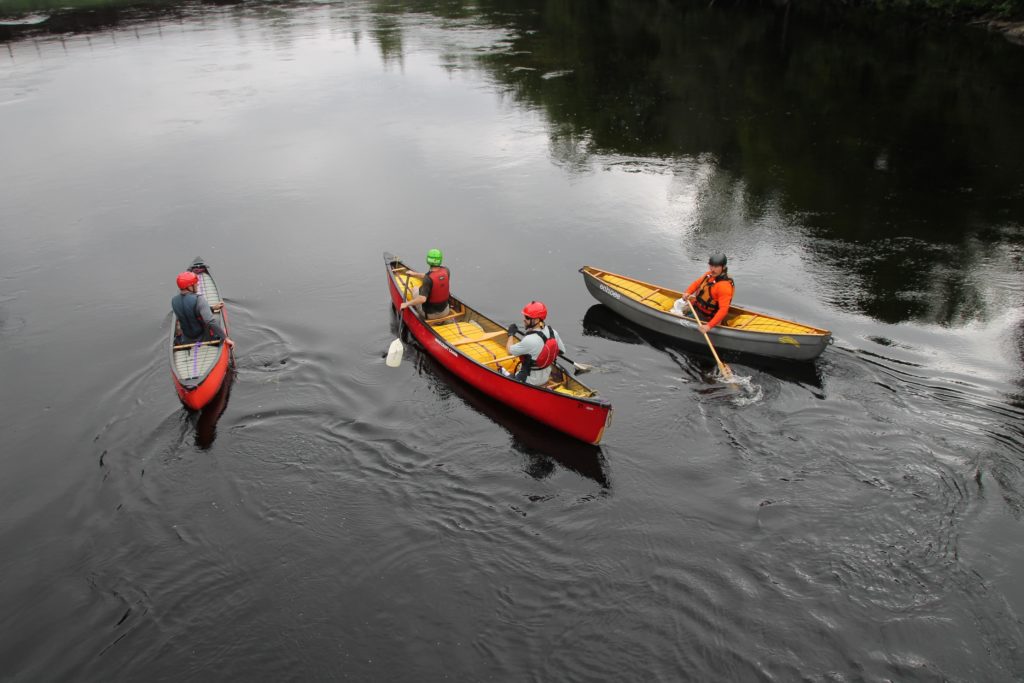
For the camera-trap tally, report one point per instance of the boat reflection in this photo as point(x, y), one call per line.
point(206, 419)
point(601, 321)
point(543, 447)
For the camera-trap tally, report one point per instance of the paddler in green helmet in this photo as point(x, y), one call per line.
point(433, 293)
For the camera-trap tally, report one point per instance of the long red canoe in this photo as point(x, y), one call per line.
point(472, 346)
point(198, 369)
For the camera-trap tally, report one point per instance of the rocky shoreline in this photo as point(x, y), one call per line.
point(1011, 30)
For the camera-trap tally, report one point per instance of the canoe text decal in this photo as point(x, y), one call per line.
point(606, 290)
point(789, 340)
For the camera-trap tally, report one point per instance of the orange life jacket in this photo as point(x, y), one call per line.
point(704, 302)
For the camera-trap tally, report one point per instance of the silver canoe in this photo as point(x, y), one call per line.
point(743, 330)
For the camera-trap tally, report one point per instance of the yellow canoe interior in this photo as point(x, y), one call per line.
point(481, 339)
point(662, 299)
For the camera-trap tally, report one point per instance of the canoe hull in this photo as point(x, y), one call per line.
point(195, 392)
point(582, 418)
point(799, 347)
point(197, 397)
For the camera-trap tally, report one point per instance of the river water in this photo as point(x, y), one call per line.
point(858, 518)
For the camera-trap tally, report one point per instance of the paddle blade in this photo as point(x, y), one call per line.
point(582, 367)
point(395, 352)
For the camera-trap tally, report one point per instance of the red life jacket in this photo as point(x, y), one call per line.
point(438, 285)
point(549, 352)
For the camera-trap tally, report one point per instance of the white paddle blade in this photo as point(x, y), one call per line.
point(395, 352)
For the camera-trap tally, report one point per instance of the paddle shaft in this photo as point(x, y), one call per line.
point(401, 311)
point(579, 366)
point(721, 366)
point(182, 347)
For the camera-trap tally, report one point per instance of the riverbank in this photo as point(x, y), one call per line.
point(1006, 17)
point(1011, 30)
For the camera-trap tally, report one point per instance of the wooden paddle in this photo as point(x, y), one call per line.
point(396, 349)
point(580, 367)
point(726, 370)
point(182, 347)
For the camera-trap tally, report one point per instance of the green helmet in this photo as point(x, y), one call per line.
point(434, 257)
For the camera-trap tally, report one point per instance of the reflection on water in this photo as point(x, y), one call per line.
point(860, 518)
point(892, 157)
point(543, 448)
point(206, 419)
point(898, 155)
point(601, 321)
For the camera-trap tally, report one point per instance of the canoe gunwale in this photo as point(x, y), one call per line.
point(720, 329)
point(596, 399)
point(789, 346)
point(196, 392)
point(582, 417)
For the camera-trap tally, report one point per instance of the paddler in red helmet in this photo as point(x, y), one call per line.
point(711, 294)
point(194, 315)
point(538, 347)
point(434, 292)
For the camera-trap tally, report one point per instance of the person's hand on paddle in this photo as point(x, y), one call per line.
point(230, 343)
point(703, 328)
point(217, 306)
point(513, 330)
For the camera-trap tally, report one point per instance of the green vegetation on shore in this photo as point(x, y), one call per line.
point(953, 9)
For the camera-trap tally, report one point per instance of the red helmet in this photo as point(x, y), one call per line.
point(535, 309)
point(187, 279)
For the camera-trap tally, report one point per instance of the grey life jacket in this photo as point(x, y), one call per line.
point(186, 309)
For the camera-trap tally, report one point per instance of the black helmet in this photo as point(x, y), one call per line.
point(717, 259)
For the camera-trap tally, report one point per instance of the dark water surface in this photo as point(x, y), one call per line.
point(855, 519)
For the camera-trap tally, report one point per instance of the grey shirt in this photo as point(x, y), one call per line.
point(531, 345)
point(209, 319)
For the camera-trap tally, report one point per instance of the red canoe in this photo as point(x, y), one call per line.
point(473, 347)
point(199, 369)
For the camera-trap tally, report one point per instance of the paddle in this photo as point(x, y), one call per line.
point(726, 371)
point(580, 367)
point(396, 349)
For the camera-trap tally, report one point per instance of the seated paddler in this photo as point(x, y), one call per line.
point(538, 346)
point(194, 315)
point(434, 292)
point(710, 294)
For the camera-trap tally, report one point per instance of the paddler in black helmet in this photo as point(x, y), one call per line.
point(433, 293)
point(711, 294)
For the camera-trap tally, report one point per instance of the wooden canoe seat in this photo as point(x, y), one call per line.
point(654, 297)
point(450, 316)
point(183, 347)
point(475, 340)
point(498, 360)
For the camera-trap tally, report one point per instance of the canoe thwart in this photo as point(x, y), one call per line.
point(182, 347)
point(471, 340)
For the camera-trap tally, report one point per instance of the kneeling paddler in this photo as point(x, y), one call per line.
point(538, 348)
